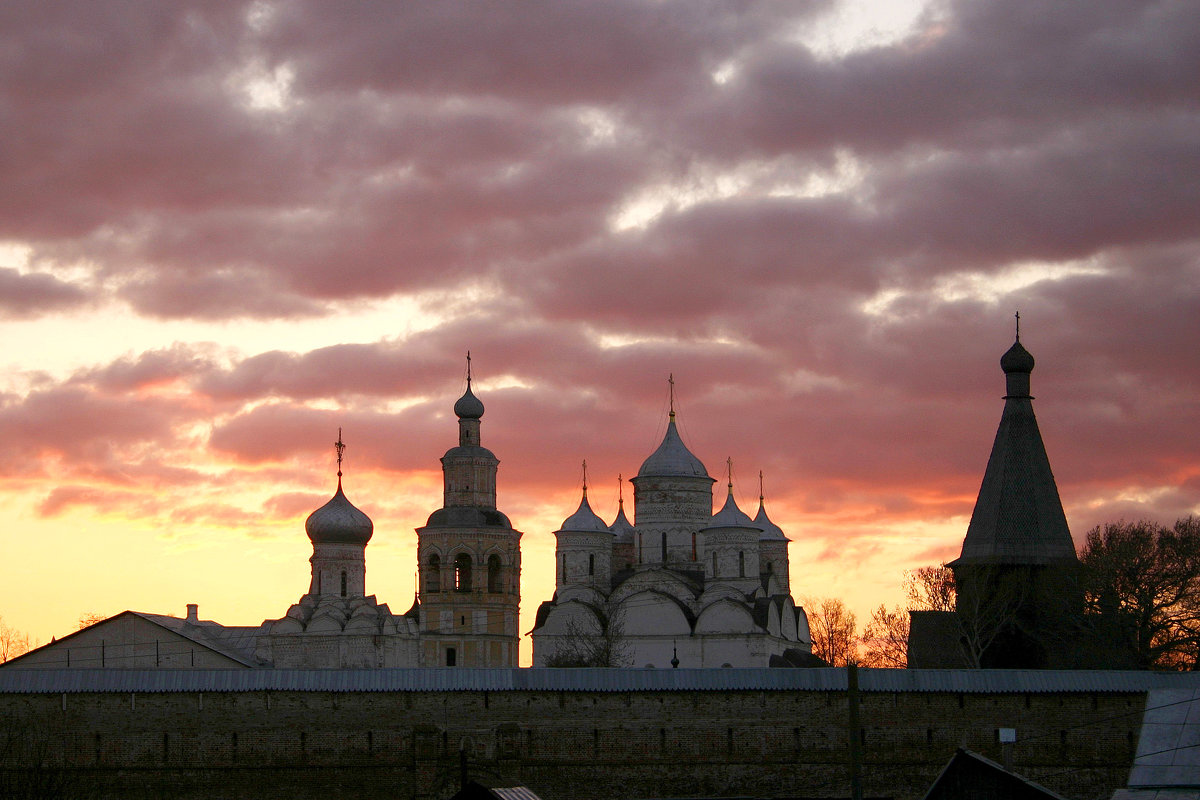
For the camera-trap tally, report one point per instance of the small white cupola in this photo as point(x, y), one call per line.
point(772, 549)
point(585, 544)
point(731, 545)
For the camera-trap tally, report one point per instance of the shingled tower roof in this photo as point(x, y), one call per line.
point(1018, 517)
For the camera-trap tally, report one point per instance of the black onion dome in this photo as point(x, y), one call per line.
point(468, 406)
point(339, 522)
point(1017, 359)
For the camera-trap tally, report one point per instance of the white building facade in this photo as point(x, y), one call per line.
point(680, 586)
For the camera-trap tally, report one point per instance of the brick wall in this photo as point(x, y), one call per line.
point(561, 744)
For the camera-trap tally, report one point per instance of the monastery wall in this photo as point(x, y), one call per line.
point(562, 744)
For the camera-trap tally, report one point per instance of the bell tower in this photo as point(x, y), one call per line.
point(469, 558)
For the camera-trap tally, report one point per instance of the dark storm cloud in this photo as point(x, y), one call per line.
point(983, 73)
point(1119, 182)
point(549, 52)
point(418, 146)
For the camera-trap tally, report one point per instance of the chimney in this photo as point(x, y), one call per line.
point(193, 612)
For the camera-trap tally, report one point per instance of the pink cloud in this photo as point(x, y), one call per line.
point(31, 294)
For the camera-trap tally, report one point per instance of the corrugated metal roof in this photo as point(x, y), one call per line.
point(515, 793)
point(1168, 755)
point(16, 680)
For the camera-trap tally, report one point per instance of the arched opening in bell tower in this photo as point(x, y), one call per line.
point(433, 575)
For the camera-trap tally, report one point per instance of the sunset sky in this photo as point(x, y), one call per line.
point(227, 229)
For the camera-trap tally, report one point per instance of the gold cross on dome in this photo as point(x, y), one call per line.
point(340, 446)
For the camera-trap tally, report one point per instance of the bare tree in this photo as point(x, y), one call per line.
point(88, 619)
point(13, 642)
point(985, 608)
point(1141, 590)
point(582, 648)
point(832, 626)
point(930, 588)
point(885, 639)
point(988, 603)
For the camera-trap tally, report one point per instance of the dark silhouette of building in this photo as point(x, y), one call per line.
point(970, 776)
point(1018, 602)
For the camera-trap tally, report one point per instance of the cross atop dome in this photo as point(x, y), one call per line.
point(340, 447)
point(339, 521)
point(468, 406)
point(771, 531)
point(672, 458)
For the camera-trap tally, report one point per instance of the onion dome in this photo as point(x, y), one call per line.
point(468, 406)
point(672, 457)
point(339, 522)
point(1016, 359)
point(730, 516)
point(770, 531)
point(584, 520)
point(1017, 363)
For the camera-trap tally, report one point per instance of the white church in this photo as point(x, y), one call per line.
point(681, 586)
